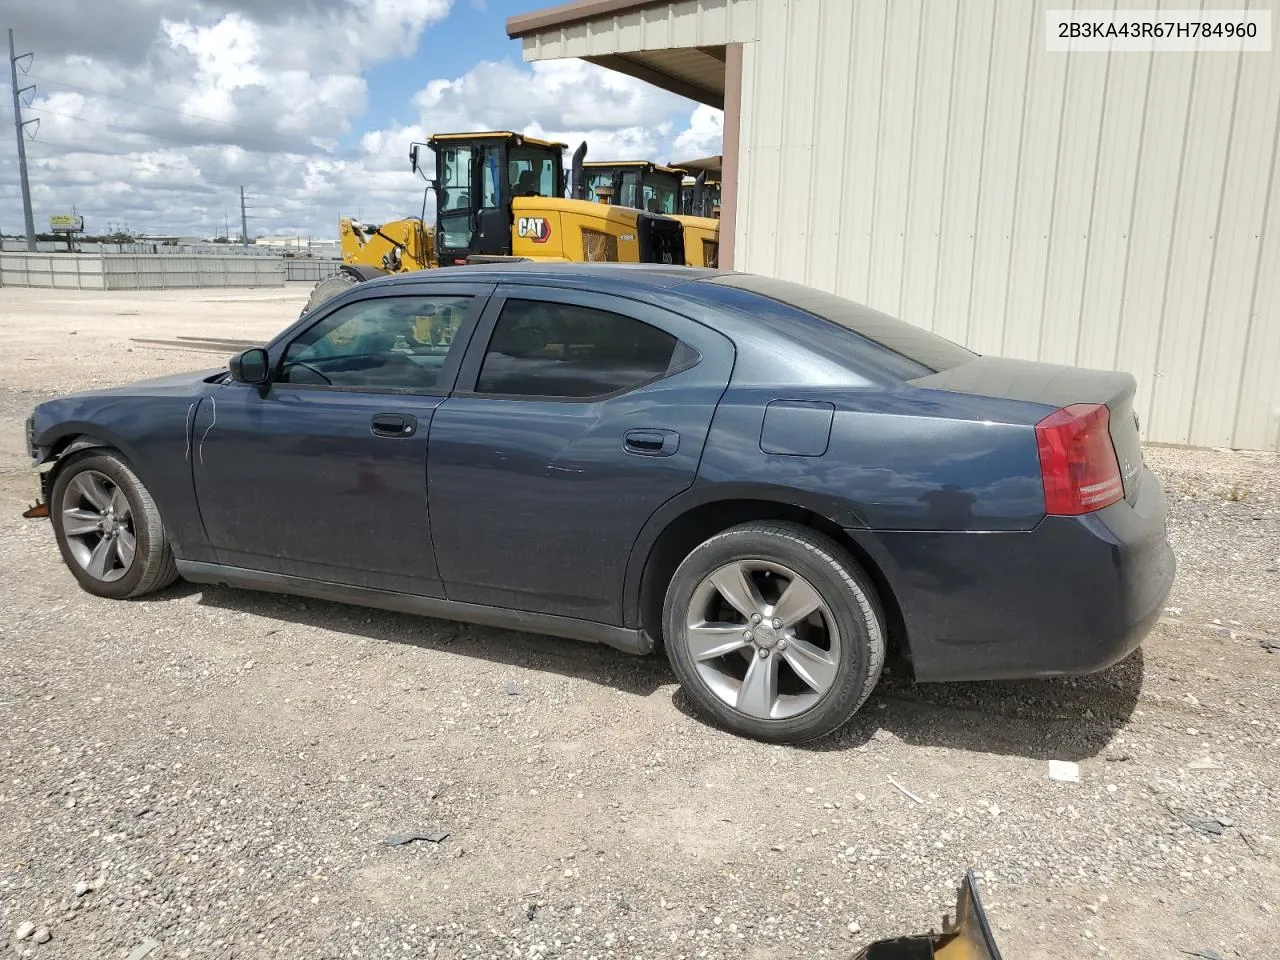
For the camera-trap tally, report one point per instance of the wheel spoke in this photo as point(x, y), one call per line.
point(126, 546)
point(797, 602)
point(707, 641)
point(103, 554)
point(736, 587)
point(93, 491)
point(78, 521)
point(119, 503)
point(759, 687)
point(815, 666)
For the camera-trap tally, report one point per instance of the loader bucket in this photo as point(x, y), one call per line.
point(969, 938)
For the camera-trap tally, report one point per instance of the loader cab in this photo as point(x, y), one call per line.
point(476, 177)
point(700, 196)
point(639, 184)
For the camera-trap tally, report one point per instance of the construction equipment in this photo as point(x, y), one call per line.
point(700, 191)
point(651, 186)
point(500, 196)
point(700, 195)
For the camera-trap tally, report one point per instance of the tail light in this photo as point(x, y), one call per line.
point(1078, 460)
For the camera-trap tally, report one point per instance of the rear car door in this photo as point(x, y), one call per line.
point(576, 416)
point(323, 474)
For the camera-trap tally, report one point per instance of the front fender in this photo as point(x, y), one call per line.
point(153, 434)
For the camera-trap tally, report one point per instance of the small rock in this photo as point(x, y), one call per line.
point(513, 688)
point(42, 935)
point(82, 888)
point(24, 930)
point(1088, 934)
point(1064, 771)
point(854, 927)
point(1205, 763)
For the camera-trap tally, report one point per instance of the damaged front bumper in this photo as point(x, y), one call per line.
point(39, 509)
point(968, 938)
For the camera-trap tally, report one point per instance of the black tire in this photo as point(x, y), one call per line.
point(850, 599)
point(152, 567)
point(327, 289)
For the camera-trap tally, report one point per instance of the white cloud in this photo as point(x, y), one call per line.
point(160, 134)
point(704, 136)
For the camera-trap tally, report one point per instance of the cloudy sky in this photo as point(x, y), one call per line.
point(154, 112)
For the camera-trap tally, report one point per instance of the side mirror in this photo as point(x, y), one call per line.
point(251, 366)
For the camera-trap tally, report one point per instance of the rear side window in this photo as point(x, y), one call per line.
point(918, 352)
point(560, 350)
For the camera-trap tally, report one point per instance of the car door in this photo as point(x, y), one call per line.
point(322, 473)
point(576, 416)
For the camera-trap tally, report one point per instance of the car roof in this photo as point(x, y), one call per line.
point(599, 276)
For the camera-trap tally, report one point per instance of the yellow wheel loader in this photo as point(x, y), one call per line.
point(500, 196)
point(650, 186)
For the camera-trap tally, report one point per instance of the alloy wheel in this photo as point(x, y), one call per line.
point(97, 524)
point(762, 639)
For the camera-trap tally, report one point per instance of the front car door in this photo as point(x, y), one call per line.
point(322, 475)
point(575, 417)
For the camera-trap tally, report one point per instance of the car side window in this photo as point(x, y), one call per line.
point(387, 344)
point(565, 351)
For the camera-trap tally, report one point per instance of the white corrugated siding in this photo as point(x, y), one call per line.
point(932, 159)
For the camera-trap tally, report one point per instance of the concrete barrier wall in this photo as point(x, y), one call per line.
point(115, 271)
point(310, 270)
point(51, 270)
point(320, 250)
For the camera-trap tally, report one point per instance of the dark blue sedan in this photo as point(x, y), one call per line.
point(774, 484)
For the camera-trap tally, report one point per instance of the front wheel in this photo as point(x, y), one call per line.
point(774, 631)
point(108, 528)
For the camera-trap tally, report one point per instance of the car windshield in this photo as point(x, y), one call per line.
point(916, 344)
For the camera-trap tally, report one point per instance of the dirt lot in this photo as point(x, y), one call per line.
point(217, 770)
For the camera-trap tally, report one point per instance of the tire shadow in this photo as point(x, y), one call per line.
point(593, 663)
point(1067, 718)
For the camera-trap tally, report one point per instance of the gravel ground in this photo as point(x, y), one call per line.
point(213, 773)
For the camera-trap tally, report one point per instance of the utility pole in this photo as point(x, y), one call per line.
point(19, 125)
point(244, 221)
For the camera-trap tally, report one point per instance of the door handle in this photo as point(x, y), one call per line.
point(651, 443)
point(393, 425)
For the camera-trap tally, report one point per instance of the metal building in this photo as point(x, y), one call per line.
point(931, 158)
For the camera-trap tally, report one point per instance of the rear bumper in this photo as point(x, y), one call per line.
point(1072, 596)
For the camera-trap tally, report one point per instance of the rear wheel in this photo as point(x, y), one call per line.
point(774, 631)
point(108, 528)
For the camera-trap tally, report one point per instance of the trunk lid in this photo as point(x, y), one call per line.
point(1055, 386)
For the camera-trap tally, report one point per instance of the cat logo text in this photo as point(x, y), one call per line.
point(537, 229)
